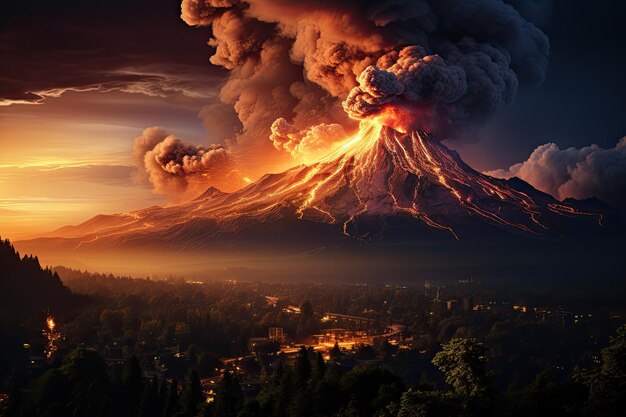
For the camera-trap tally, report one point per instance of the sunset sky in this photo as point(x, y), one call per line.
point(79, 81)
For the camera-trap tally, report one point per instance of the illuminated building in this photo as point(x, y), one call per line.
point(452, 305)
point(276, 334)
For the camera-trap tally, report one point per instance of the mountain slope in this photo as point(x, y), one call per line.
point(381, 188)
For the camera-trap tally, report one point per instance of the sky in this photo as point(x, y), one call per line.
point(82, 81)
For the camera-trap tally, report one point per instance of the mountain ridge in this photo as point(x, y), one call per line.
point(383, 188)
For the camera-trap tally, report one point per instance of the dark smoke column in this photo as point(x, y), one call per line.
point(449, 63)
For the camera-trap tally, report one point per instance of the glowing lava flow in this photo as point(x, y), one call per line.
point(355, 149)
point(375, 166)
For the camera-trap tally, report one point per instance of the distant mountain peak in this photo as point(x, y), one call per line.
point(208, 193)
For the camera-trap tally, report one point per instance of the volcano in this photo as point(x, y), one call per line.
point(384, 194)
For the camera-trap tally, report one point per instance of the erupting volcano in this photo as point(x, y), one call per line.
point(383, 172)
point(380, 188)
point(404, 76)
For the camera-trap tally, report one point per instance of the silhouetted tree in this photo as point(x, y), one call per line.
point(320, 366)
point(171, 405)
point(464, 365)
point(191, 399)
point(87, 372)
point(229, 397)
point(132, 381)
point(303, 366)
point(607, 382)
point(307, 324)
point(416, 403)
point(150, 405)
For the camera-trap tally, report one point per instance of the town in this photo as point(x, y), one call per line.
point(248, 329)
point(190, 346)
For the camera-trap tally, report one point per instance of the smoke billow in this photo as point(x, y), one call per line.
point(448, 63)
point(307, 143)
point(180, 170)
point(578, 173)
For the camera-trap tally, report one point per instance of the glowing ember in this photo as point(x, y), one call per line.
point(53, 337)
point(51, 324)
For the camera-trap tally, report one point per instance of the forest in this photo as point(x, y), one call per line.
point(123, 346)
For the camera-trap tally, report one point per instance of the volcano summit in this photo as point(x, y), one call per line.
point(402, 195)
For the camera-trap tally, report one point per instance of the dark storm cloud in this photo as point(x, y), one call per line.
point(48, 48)
point(452, 62)
point(301, 59)
point(537, 11)
point(581, 100)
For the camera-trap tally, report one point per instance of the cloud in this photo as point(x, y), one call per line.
point(577, 173)
point(110, 175)
point(98, 46)
point(536, 11)
point(376, 88)
point(180, 170)
point(451, 63)
point(149, 80)
point(444, 95)
point(307, 144)
point(448, 63)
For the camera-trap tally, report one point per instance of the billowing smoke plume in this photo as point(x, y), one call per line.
point(472, 82)
point(578, 173)
point(306, 144)
point(180, 170)
point(446, 63)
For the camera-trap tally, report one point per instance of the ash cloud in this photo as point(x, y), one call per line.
point(180, 170)
point(452, 63)
point(308, 143)
point(577, 173)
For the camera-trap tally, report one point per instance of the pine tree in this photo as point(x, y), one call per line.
point(149, 403)
point(303, 366)
point(132, 380)
point(192, 395)
point(171, 405)
point(229, 397)
point(320, 366)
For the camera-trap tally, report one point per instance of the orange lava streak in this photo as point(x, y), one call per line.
point(567, 210)
point(355, 149)
point(413, 209)
point(467, 201)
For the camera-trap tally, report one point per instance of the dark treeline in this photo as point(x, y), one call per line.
point(25, 287)
point(83, 385)
point(27, 293)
